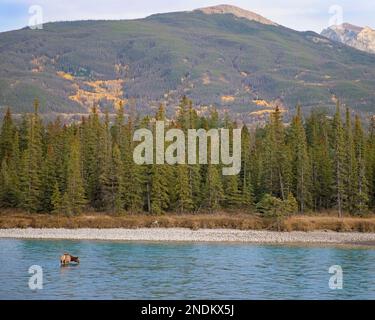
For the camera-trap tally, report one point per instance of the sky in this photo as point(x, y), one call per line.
point(300, 15)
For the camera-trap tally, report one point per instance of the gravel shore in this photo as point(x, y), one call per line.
point(187, 235)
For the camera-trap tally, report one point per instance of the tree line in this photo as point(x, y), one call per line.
point(313, 164)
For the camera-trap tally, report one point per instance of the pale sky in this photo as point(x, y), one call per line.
point(296, 14)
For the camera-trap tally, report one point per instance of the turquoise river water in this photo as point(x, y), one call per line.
point(139, 270)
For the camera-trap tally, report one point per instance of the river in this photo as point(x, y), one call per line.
point(141, 270)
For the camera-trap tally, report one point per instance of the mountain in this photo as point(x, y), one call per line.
point(354, 36)
point(237, 12)
point(221, 56)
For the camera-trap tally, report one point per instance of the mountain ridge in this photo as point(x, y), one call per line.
point(361, 38)
point(240, 66)
point(236, 11)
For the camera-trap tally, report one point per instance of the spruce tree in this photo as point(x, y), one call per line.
point(74, 196)
point(246, 187)
point(350, 163)
point(184, 199)
point(92, 135)
point(339, 161)
point(56, 200)
point(116, 178)
point(233, 195)
point(276, 158)
point(6, 136)
point(133, 174)
point(301, 170)
point(361, 196)
point(321, 162)
point(9, 187)
point(213, 188)
point(48, 180)
point(32, 164)
point(160, 173)
point(105, 187)
point(10, 162)
point(370, 162)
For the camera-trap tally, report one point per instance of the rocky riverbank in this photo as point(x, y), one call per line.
point(201, 235)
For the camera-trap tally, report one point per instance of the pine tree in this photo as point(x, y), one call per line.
point(188, 119)
point(32, 160)
point(159, 189)
point(57, 145)
point(9, 188)
point(6, 136)
point(56, 200)
point(74, 196)
point(92, 134)
point(276, 158)
point(350, 163)
point(184, 113)
point(339, 161)
point(370, 162)
point(159, 180)
point(116, 178)
point(233, 197)
point(183, 190)
point(212, 182)
point(361, 197)
point(213, 188)
point(134, 179)
point(48, 180)
point(105, 187)
point(9, 155)
point(246, 187)
point(301, 170)
point(321, 162)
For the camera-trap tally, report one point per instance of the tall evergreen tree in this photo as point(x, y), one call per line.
point(246, 186)
point(339, 161)
point(9, 155)
point(321, 162)
point(350, 164)
point(32, 160)
point(160, 175)
point(74, 196)
point(6, 136)
point(92, 139)
point(56, 200)
point(233, 196)
point(213, 188)
point(276, 158)
point(116, 180)
point(361, 196)
point(48, 180)
point(301, 170)
point(9, 186)
point(183, 190)
point(370, 162)
point(134, 180)
point(105, 187)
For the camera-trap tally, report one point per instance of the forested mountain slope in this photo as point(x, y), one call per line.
point(232, 62)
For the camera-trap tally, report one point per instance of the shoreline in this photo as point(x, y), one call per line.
point(201, 235)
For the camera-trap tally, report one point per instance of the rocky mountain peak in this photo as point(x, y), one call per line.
point(236, 11)
point(361, 38)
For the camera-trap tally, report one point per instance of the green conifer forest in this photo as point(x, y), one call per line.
point(313, 164)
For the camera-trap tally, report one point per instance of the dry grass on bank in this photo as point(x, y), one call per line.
point(347, 224)
point(240, 221)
